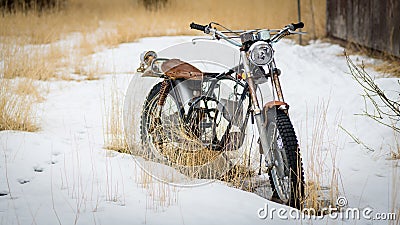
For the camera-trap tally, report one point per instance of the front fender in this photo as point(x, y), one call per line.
point(270, 109)
point(277, 104)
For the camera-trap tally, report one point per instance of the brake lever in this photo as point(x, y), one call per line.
point(297, 32)
point(208, 39)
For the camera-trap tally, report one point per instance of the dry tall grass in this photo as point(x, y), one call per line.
point(390, 64)
point(36, 62)
point(128, 20)
point(114, 135)
point(105, 23)
point(159, 194)
point(322, 187)
point(90, 70)
point(17, 109)
point(395, 193)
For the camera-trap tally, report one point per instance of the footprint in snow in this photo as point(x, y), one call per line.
point(52, 162)
point(23, 181)
point(38, 169)
point(56, 153)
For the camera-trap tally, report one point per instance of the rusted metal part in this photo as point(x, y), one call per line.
point(165, 85)
point(278, 88)
point(271, 104)
point(267, 107)
point(253, 96)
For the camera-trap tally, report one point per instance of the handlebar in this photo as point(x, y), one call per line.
point(198, 27)
point(295, 26)
point(287, 30)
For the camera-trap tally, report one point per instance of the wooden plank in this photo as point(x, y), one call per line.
point(371, 23)
point(336, 21)
point(394, 26)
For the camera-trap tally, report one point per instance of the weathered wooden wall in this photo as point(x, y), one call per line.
point(371, 23)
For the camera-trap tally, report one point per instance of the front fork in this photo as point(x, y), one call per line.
point(270, 152)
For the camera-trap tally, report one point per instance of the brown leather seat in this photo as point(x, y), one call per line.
point(175, 69)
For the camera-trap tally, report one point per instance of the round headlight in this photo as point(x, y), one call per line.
point(260, 53)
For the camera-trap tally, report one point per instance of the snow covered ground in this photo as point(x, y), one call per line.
point(63, 175)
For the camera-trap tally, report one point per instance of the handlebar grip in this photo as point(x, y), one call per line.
point(297, 25)
point(198, 27)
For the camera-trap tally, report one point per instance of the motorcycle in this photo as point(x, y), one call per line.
point(197, 120)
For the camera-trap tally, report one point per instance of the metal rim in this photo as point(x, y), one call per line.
point(282, 183)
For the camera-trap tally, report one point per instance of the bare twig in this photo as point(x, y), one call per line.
point(356, 139)
point(385, 108)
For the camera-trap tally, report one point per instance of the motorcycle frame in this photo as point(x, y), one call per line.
point(214, 78)
point(257, 112)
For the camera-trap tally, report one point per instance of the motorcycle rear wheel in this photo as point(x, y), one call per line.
point(178, 149)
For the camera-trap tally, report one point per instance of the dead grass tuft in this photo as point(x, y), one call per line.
point(17, 109)
point(237, 177)
point(395, 149)
point(113, 125)
point(27, 88)
point(390, 65)
point(90, 70)
point(322, 186)
point(33, 62)
point(159, 194)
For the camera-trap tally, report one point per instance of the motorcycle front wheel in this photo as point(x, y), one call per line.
point(287, 182)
